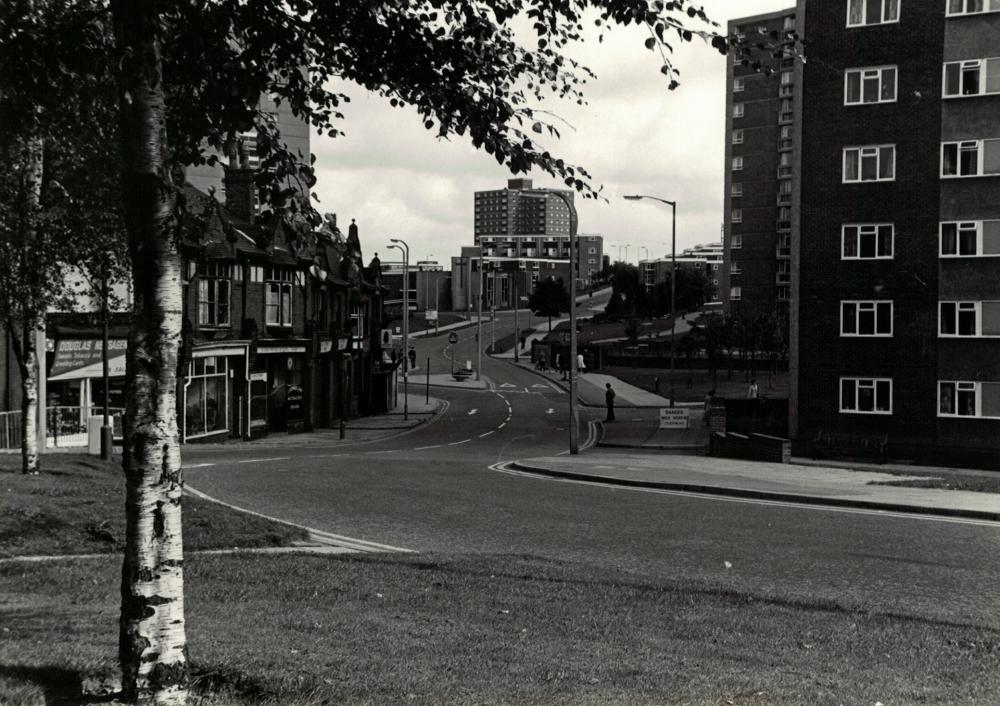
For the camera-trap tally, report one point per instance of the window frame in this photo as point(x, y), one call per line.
point(737, 164)
point(861, 149)
point(864, 14)
point(284, 319)
point(210, 303)
point(989, 6)
point(961, 306)
point(735, 294)
point(857, 386)
point(737, 136)
point(736, 189)
point(979, 228)
point(963, 146)
point(983, 65)
point(957, 388)
point(739, 84)
point(860, 229)
point(739, 110)
point(865, 305)
point(862, 70)
point(736, 241)
point(736, 215)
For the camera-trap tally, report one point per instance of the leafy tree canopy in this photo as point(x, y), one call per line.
point(549, 298)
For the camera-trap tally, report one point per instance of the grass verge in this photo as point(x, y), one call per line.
point(365, 629)
point(77, 506)
point(947, 482)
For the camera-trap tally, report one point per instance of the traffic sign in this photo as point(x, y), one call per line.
point(452, 337)
point(675, 418)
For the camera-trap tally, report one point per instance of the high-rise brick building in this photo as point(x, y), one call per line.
point(760, 94)
point(895, 320)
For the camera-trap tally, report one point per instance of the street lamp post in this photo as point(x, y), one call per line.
point(405, 249)
point(626, 252)
point(643, 247)
point(673, 276)
point(574, 416)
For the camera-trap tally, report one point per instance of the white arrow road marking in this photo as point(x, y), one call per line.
point(472, 411)
point(508, 384)
point(550, 411)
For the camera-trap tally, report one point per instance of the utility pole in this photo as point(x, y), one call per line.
point(517, 331)
point(107, 433)
point(401, 245)
point(479, 323)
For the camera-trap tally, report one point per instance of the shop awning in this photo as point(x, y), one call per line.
point(78, 358)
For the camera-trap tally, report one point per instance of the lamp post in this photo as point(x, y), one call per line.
point(405, 249)
point(643, 247)
point(673, 276)
point(626, 252)
point(574, 417)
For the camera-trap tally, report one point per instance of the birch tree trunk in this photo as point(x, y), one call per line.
point(31, 318)
point(152, 643)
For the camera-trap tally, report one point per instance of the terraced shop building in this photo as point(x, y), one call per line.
point(896, 227)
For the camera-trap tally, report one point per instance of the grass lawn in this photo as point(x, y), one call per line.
point(390, 629)
point(701, 382)
point(77, 506)
point(946, 481)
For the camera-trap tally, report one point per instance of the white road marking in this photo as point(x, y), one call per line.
point(197, 465)
point(261, 460)
point(502, 425)
point(457, 443)
point(541, 385)
point(550, 410)
point(472, 411)
point(487, 433)
point(433, 446)
point(508, 384)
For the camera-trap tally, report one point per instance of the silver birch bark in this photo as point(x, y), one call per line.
point(152, 643)
point(31, 318)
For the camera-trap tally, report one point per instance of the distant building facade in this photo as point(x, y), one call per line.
point(533, 224)
point(756, 276)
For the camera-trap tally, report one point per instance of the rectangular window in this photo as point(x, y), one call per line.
point(869, 163)
point(736, 189)
point(737, 215)
point(871, 12)
point(971, 7)
point(969, 319)
point(206, 397)
point(738, 110)
point(973, 77)
point(867, 241)
point(213, 295)
point(970, 239)
point(278, 304)
point(735, 269)
point(866, 395)
point(870, 85)
point(739, 84)
point(735, 293)
point(737, 137)
point(970, 158)
point(735, 242)
point(737, 164)
point(866, 318)
point(969, 399)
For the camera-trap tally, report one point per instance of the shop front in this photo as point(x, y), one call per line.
point(277, 388)
point(215, 393)
point(75, 385)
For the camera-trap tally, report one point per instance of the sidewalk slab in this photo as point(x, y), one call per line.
point(836, 487)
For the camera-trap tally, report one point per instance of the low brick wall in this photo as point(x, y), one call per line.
point(752, 447)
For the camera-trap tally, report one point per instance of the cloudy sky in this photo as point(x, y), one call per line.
point(634, 136)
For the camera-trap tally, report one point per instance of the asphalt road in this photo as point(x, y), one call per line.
point(433, 490)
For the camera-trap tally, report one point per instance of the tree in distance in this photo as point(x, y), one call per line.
point(549, 298)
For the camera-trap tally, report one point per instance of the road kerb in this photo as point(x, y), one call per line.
point(750, 493)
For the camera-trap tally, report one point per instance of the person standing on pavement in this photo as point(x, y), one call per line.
point(581, 363)
point(752, 391)
point(412, 355)
point(609, 400)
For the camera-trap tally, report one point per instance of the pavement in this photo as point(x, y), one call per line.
point(788, 482)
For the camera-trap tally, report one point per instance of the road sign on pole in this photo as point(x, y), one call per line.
point(453, 338)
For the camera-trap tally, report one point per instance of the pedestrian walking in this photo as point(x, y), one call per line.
point(581, 363)
point(412, 355)
point(708, 405)
point(752, 391)
point(609, 400)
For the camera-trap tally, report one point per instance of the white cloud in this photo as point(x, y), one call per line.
point(634, 136)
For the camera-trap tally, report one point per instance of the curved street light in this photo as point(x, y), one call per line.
point(574, 417)
point(673, 275)
point(405, 249)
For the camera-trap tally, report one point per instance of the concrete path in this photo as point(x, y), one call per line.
point(839, 487)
